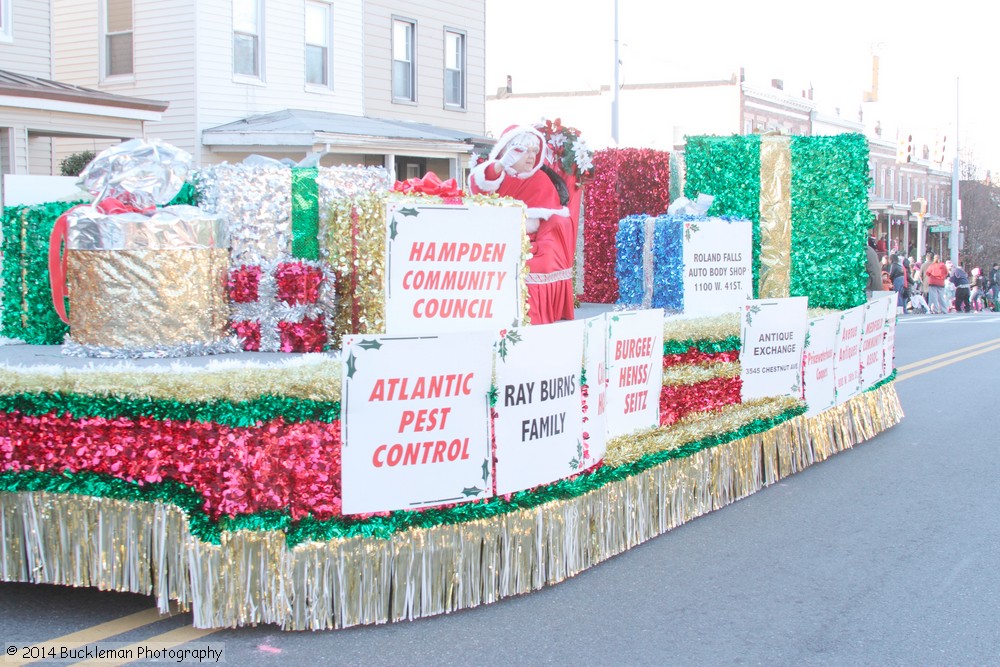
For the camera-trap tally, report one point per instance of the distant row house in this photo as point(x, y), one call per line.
point(373, 82)
point(660, 115)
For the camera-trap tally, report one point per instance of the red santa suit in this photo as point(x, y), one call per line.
point(550, 230)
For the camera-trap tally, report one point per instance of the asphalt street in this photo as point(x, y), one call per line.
point(887, 554)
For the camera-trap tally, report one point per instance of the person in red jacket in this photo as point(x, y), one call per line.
point(937, 274)
point(514, 169)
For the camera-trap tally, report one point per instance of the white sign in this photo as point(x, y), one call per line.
point(595, 395)
point(873, 340)
point(718, 277)
point(635, 370)
point(24, 190)
point(415, 424)
point(847, 363)
point(819, 382)
point(889, 353)
point(773, 332)
point(452, 268)
point(538, 422)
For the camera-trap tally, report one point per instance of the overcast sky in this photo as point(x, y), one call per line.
point(926, 51)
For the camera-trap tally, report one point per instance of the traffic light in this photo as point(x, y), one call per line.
point(940, 148)
point(904, 147)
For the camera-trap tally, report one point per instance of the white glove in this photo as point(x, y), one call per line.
point(512, 155)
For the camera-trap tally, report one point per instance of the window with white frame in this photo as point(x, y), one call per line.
point(403, 61)
point(454, 69)
point(117, 37)
point(247, 42)
point(6, 29)
point(319, 39)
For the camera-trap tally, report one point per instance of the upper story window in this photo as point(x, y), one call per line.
point(117, 37)
point(454, 69)
point(6, 29)
point(247, 38)
point(319, 38)
point(403, 61)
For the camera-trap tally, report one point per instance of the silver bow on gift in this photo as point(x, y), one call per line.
point(141, 173)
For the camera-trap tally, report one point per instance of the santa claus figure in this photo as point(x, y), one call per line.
point(515, 169)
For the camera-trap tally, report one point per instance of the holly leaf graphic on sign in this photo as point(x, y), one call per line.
point(369, 345)
point(486, 470)
point(409, 212)
point(392, 229)
point(470, 491)
point(351, 364)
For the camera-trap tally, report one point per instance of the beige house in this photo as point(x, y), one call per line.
point(37, 112)
point(350, 81)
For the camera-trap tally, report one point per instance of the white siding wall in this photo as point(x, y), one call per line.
point(164, 56)
point(28, 52)
point(431, 17)
point(221, 99)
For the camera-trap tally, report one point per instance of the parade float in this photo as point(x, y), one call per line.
point(393, 439)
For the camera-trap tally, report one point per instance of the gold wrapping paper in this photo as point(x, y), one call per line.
point(775, 218)
point(252, 577)
point(145, 298)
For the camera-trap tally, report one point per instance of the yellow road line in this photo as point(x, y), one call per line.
point(928, 369)
point(99, 632)
point(168, 639)
point(928, 360)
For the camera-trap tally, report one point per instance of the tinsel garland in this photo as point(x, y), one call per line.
point(625, 181)
point(309, 378)
point(678, 401)
point(692, 355)
point(274, 465)
point(243, 414)
point(680, 376)
point(253, 576)
point(27, 296)
point(314, 527)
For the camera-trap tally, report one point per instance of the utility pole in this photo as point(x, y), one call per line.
point(614, 101)
point(955, 201)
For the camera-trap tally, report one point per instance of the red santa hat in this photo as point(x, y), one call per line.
point(519, 134)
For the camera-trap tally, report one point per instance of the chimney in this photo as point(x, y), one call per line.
point(510, 84)
point(778, 83)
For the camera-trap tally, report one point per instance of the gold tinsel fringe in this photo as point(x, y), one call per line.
point(252, 577)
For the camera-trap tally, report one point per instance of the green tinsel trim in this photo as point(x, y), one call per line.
point(728, 168)
point(305, 213)
point(881, 383)
point(704, 346)
point(228, 413)
point(309, 529)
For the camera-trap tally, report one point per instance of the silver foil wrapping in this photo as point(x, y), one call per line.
point(170, 227)
point(141, 172)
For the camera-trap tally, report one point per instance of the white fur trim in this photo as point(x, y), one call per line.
point(546, 213)
point(484, 183)
point(531, 225)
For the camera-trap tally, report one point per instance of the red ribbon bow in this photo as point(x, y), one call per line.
point(58, 258)
point(430, 184)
